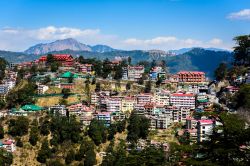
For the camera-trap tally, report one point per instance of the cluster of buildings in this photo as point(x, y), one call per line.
point(8, 83)
point(200, 129)
point(162, 107)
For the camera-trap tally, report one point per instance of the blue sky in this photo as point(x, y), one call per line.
point(124, 24)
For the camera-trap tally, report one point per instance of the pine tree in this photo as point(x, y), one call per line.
point(90, 158)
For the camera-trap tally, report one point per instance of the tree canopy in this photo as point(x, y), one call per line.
point(242, 50)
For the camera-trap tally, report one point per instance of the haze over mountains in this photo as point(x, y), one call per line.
point(66, 44)
point(74, 45)
point(184, 59)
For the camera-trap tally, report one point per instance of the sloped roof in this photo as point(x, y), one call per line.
point(68, 74)
point(31, 107)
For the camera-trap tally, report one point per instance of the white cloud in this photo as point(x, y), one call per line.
point(215, 41)
point(18, 39)
point(240, 15)
point(51, 33)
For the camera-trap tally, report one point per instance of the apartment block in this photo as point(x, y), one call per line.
point(162, 98)
point(3, 89)
point(144, 98)
point(204, 129)
point(114, 104)
point(133, 72)
point(128, 104)
point(183, 100)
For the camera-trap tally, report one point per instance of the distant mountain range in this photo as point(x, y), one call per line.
point(184, 59)
point(184, 50)
point(66, 44)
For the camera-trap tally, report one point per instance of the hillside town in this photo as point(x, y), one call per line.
point(182, 108)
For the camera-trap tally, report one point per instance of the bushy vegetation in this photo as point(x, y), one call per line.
point(6, 158)
point(21, 96)
point(138, 127)
point(19, 126)
point(3, 64)
point(149, 156)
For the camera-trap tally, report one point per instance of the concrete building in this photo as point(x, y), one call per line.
point(204, 129)
point(103, 116)
point(183, 100)
point(133, 72)
point(10, 83)
point(85, 68)
point(60, 109)
point(94, 98)
point(128, 104)
point(114, 104)
point(191, 123)
point(162, 98)
point(144, 98)
point(161, 121)
point(117, 116)
point(178, 114)
point(3, 89)
point(156, 72)
point(191, 76)
point(41, 89)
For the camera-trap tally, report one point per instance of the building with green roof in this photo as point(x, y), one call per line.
point(31, 108)
point(68, 74)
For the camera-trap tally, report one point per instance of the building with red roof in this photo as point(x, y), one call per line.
point(183, 100)
point(204, 129)
point(8, 144)
point(191, 76)
point(64, 59)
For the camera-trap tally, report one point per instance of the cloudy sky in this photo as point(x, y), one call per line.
point(124, 24)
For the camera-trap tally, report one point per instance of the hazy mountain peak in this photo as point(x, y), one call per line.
point(66, 44)
point(184, 50)
point(58, 45)
point(102, 48)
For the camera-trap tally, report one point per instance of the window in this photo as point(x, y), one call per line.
point(203, 127)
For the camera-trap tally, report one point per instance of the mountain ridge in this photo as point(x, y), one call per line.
point(72, 44)
point(193, 59)
point(66, 44)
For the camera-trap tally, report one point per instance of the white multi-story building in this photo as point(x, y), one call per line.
point(103, 116)
point(162, 98)
point(94, 98)
point(144, 98)
point(182, 100)
point(178, 114)
point(204, 129)
point(133, 72)
point(60, 109)
point(161, 121)
point(184, 113)
point(85, 68)
point(3, 89)
point(11, 83)
point(125, 73)
point(114, 104)
point(41, 89)
point(128, 104)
